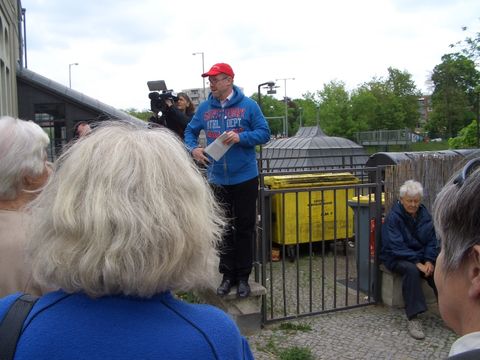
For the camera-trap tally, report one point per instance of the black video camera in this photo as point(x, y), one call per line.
point(158, 95)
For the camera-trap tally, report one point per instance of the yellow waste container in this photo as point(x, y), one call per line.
point(322, 213)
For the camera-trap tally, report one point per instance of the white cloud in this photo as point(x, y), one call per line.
point(121, 44)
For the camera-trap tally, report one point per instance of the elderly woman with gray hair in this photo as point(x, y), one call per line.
point(23, 172)
point(126, 218)
point(457, 275)
point(410, 248)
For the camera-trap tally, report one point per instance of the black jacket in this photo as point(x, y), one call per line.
point(408, 238)
point(175, 120)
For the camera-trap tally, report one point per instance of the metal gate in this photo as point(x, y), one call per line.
point(317, 241)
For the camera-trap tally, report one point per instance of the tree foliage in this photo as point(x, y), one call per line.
point(390, 103)
point(385, 103)
point(272, 110)
point(467, 137)
point(453, 99)
point(142, 115)
point(335, 110)
point(470, 47)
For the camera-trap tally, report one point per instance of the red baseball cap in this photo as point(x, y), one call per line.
point(220, 68)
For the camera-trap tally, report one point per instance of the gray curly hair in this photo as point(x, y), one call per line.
point(22, 152)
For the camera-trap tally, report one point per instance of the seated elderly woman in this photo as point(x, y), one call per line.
point(457, 275)
point(410, 248)
point(126, 219)
point(23, 172)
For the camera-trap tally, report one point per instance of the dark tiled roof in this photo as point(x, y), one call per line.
point(310, 147)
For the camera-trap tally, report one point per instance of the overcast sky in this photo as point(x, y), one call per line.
point(122, 44)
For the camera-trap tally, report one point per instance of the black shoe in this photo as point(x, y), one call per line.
point(224, 287)
point(243, 289)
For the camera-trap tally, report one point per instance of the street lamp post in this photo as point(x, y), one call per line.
point(478, 117)
point(270, 84)
point(70, 74)
point(285, 125)
point(301, 113)
point(203, 72)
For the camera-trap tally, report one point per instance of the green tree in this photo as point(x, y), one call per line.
point(470, 47)
point(390, 103)
point(273, 110)
point(304, 112)
point(406, 96)
point(467, 137)
point(365, 106)
point(454, 97)
point(335, 110)
point(142, 115)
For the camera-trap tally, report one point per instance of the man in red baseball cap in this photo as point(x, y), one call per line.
point(234, 175)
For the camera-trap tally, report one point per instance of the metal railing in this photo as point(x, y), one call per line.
point(323, 232)
point(384, 137)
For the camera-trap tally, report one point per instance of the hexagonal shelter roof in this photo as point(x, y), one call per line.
point(311, 148)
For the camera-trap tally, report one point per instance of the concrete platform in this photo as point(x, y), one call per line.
point(391, 289)
point(245, 311)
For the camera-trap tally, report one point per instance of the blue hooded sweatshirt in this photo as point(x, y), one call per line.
point(407, 238)
point(242, 115)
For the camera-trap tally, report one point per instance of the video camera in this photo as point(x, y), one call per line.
point(158, 95)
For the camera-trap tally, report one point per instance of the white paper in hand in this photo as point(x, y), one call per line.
point(217, 148)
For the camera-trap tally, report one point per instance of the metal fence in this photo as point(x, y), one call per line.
point(311, 162)
point(322, 224)
point(385, 137)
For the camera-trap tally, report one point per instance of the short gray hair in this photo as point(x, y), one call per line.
point(126, 212)
point(456, 215)
point(411, 188)
point(22, 152)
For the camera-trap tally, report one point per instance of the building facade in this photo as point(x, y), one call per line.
point(196, 95)
point(9, 55)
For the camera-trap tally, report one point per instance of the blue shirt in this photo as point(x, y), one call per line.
point(75, 326)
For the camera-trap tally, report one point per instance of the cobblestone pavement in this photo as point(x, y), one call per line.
point(370, 332)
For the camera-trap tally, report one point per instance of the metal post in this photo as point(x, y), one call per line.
point(70, 74)
point(20, 42)
point(203, 72)
point(285, 126)
point(271, 84)
point(478, 118)
point(25, 35)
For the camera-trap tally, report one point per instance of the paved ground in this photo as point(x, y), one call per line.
point(371, 332)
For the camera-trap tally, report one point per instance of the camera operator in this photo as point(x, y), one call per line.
point(176, 113)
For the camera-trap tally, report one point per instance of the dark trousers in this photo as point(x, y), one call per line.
point(412, 287)
point(236, 251)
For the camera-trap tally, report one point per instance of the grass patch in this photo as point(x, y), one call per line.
point(289, 353)
point(418, 146)
point(189, 297)
point(270, 347)
point(296, 353)
point(288, 326)
point(274, 344)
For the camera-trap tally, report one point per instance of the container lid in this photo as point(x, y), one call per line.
point(310, 180)
point(365, 199)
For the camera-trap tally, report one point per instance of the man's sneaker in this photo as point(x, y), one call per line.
point(415, 329)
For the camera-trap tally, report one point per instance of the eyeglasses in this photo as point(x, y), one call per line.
point(467, 170)
point(214, 80)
